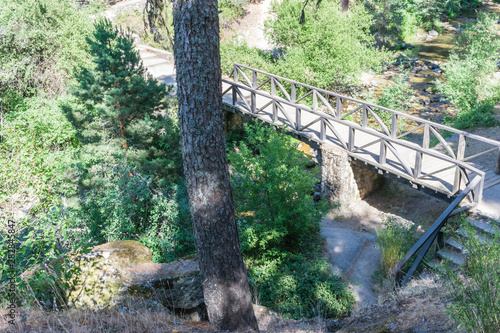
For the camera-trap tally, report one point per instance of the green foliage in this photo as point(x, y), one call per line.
point(279, 227)
point(39, 44)
point(122, 204)
point(474, 287)
point(469, 82)
point(269, 180)
point(230, 10)
point(394, 240)
point(36, 147)
point(298, 287)
point(130, 193)
point(395, 96)
point(237, 51)
point(403, 18)
point(318, 56)
point(118, 89)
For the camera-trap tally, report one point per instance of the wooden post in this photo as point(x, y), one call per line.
point(235, 79)
point(339, 108)
point(298, 113)
point(253, 96)
point(460, 156)
point(497, 170)
point(273, 93)
point(365, 117)
point(315, 101)
point(419, 157)
point(323, 130)
point(383, 152)
point(394, 125)
point(352, 132)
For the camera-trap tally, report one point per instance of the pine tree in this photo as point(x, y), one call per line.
point(119, 87)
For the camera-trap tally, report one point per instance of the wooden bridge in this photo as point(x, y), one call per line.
point(368, 132)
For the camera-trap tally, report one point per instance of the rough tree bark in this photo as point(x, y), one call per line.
point(197, 59)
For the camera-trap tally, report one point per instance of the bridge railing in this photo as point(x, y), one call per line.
point(420, 249)
point(329, 109)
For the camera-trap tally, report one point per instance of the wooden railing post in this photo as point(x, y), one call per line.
point(323, 130)
point(419, 157)
point(364, 122)
point(298, 113)
point(253, 96)
point(383, 152)
point(235, 79)
point(394, 125)
point(352, 133)
point(273, 93)
point(460, 156)
point(497, 170)
point(315, 100)
point(339, 108)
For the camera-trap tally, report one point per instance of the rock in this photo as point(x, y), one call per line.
point(433, 33)
point(317, 196)
point(113, 273)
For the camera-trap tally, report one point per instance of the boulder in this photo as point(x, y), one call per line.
point(113, 273)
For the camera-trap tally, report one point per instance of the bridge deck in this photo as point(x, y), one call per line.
point(424, 167)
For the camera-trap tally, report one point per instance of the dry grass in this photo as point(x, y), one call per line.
point(77, 321)
point(141, 320)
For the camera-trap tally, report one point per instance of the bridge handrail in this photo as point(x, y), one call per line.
point(370, 131)
point(425, 242)
point(398, 113)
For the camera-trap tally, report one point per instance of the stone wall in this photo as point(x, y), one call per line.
point(343, 182)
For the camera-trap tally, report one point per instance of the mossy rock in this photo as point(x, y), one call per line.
point(111, 273)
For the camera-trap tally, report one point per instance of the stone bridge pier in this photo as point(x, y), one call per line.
point(343, 181)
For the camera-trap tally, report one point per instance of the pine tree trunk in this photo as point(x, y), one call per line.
point(197, 60)
point(345, 5)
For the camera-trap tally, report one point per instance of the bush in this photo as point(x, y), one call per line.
point(395, 96)
point(40, 42)
point(123, 205)
point(279, 227)
point(475, 286)
point(468, 83)
point(319, 56)
point(269, 180)
point(394, 240)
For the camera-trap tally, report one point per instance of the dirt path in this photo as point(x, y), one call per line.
point(251, 26)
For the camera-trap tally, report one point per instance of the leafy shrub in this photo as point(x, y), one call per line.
point(40, 42)
point(395, 96)
point(279, 227)
point(231, 10)
point(323, 57)
point(237, 51)
point(299, 286)
point(123, 204)
point(269, 180)
point(474, 287)
point(468, 74)
point(37, 145)
point(394, 240)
